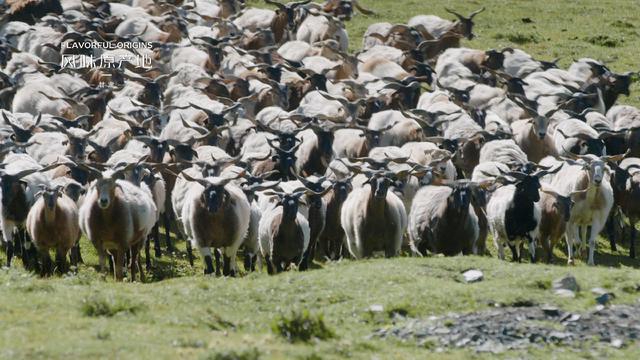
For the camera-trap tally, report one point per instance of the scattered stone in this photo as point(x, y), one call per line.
point(605, 298)
point(616, 343)
point(473, 275)
point(497, 330)
point(567, 282)
point(376, 308)
point(550, 310)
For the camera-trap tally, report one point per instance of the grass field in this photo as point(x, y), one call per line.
point(181, 313)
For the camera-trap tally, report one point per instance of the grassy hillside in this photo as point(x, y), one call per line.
point(196, 317)
point(181, 313)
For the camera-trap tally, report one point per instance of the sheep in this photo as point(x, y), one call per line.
point(592, 207)
point(52, 222)
point(280, 22)
point(625, 182)
point(19, 180)
point(321, 27)
point(432, 26)
point(284, 232)
point(373, 218)
point(331, 240)
point(216, 214)
point(513, 211)
point(574, 136)
point(442, 220)
point(117, 216)
point(555, 211)
point(503, 151)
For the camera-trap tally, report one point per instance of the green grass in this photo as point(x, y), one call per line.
point(182, 314)
point(321, 314)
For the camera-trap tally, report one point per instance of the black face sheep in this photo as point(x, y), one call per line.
point(513, 211)
point(442, 219)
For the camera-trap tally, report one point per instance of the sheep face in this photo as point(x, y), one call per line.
point(289, 208)
point(106, 188)
point(50, 197)
point(460, 198)
point(563, 204)
point(74, 191)
point(342, 10)
point(494, 59)
point(372, 136)
point(77, 146)
point(342, 189)
point(540, 124)
point(596, 171)
point(214, 197)
point(528, 187)
point(380, 185)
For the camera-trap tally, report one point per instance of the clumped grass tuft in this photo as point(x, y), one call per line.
point(403, 310)
point(215, 322)
point(302, 327)
point(604, 40)
point(622, 24)
point(251, 354)
point(519, 38)
point(108, 306)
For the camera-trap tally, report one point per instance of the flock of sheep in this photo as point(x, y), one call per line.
point(255, 129)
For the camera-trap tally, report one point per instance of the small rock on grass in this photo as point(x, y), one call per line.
point(566, 286)
point(473, 275)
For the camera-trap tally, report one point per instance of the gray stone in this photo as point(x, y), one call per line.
point(567, 282)
point(473, 275)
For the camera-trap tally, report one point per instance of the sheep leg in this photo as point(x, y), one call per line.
point(9, 250)
point(306, 259)
point(147, 254)
point(611, 229)
point(500, 247)
point(156, 240)
point(248, 262)
point(45, 269)
point(514, 252)
point(167, 235)
point(73, 258)
point(532, 248)
point(632, 246)
point(75, 252)
point(546, 246)
point(592, 244)
point(189, 252)
point(570, 235)
point(270, 269)
point(133, 267)
point(583, 239)
point(278, 265)
point(118, 264)
point(208, 261)
point(61, 261)
point(227, 269)
point(216, 253)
